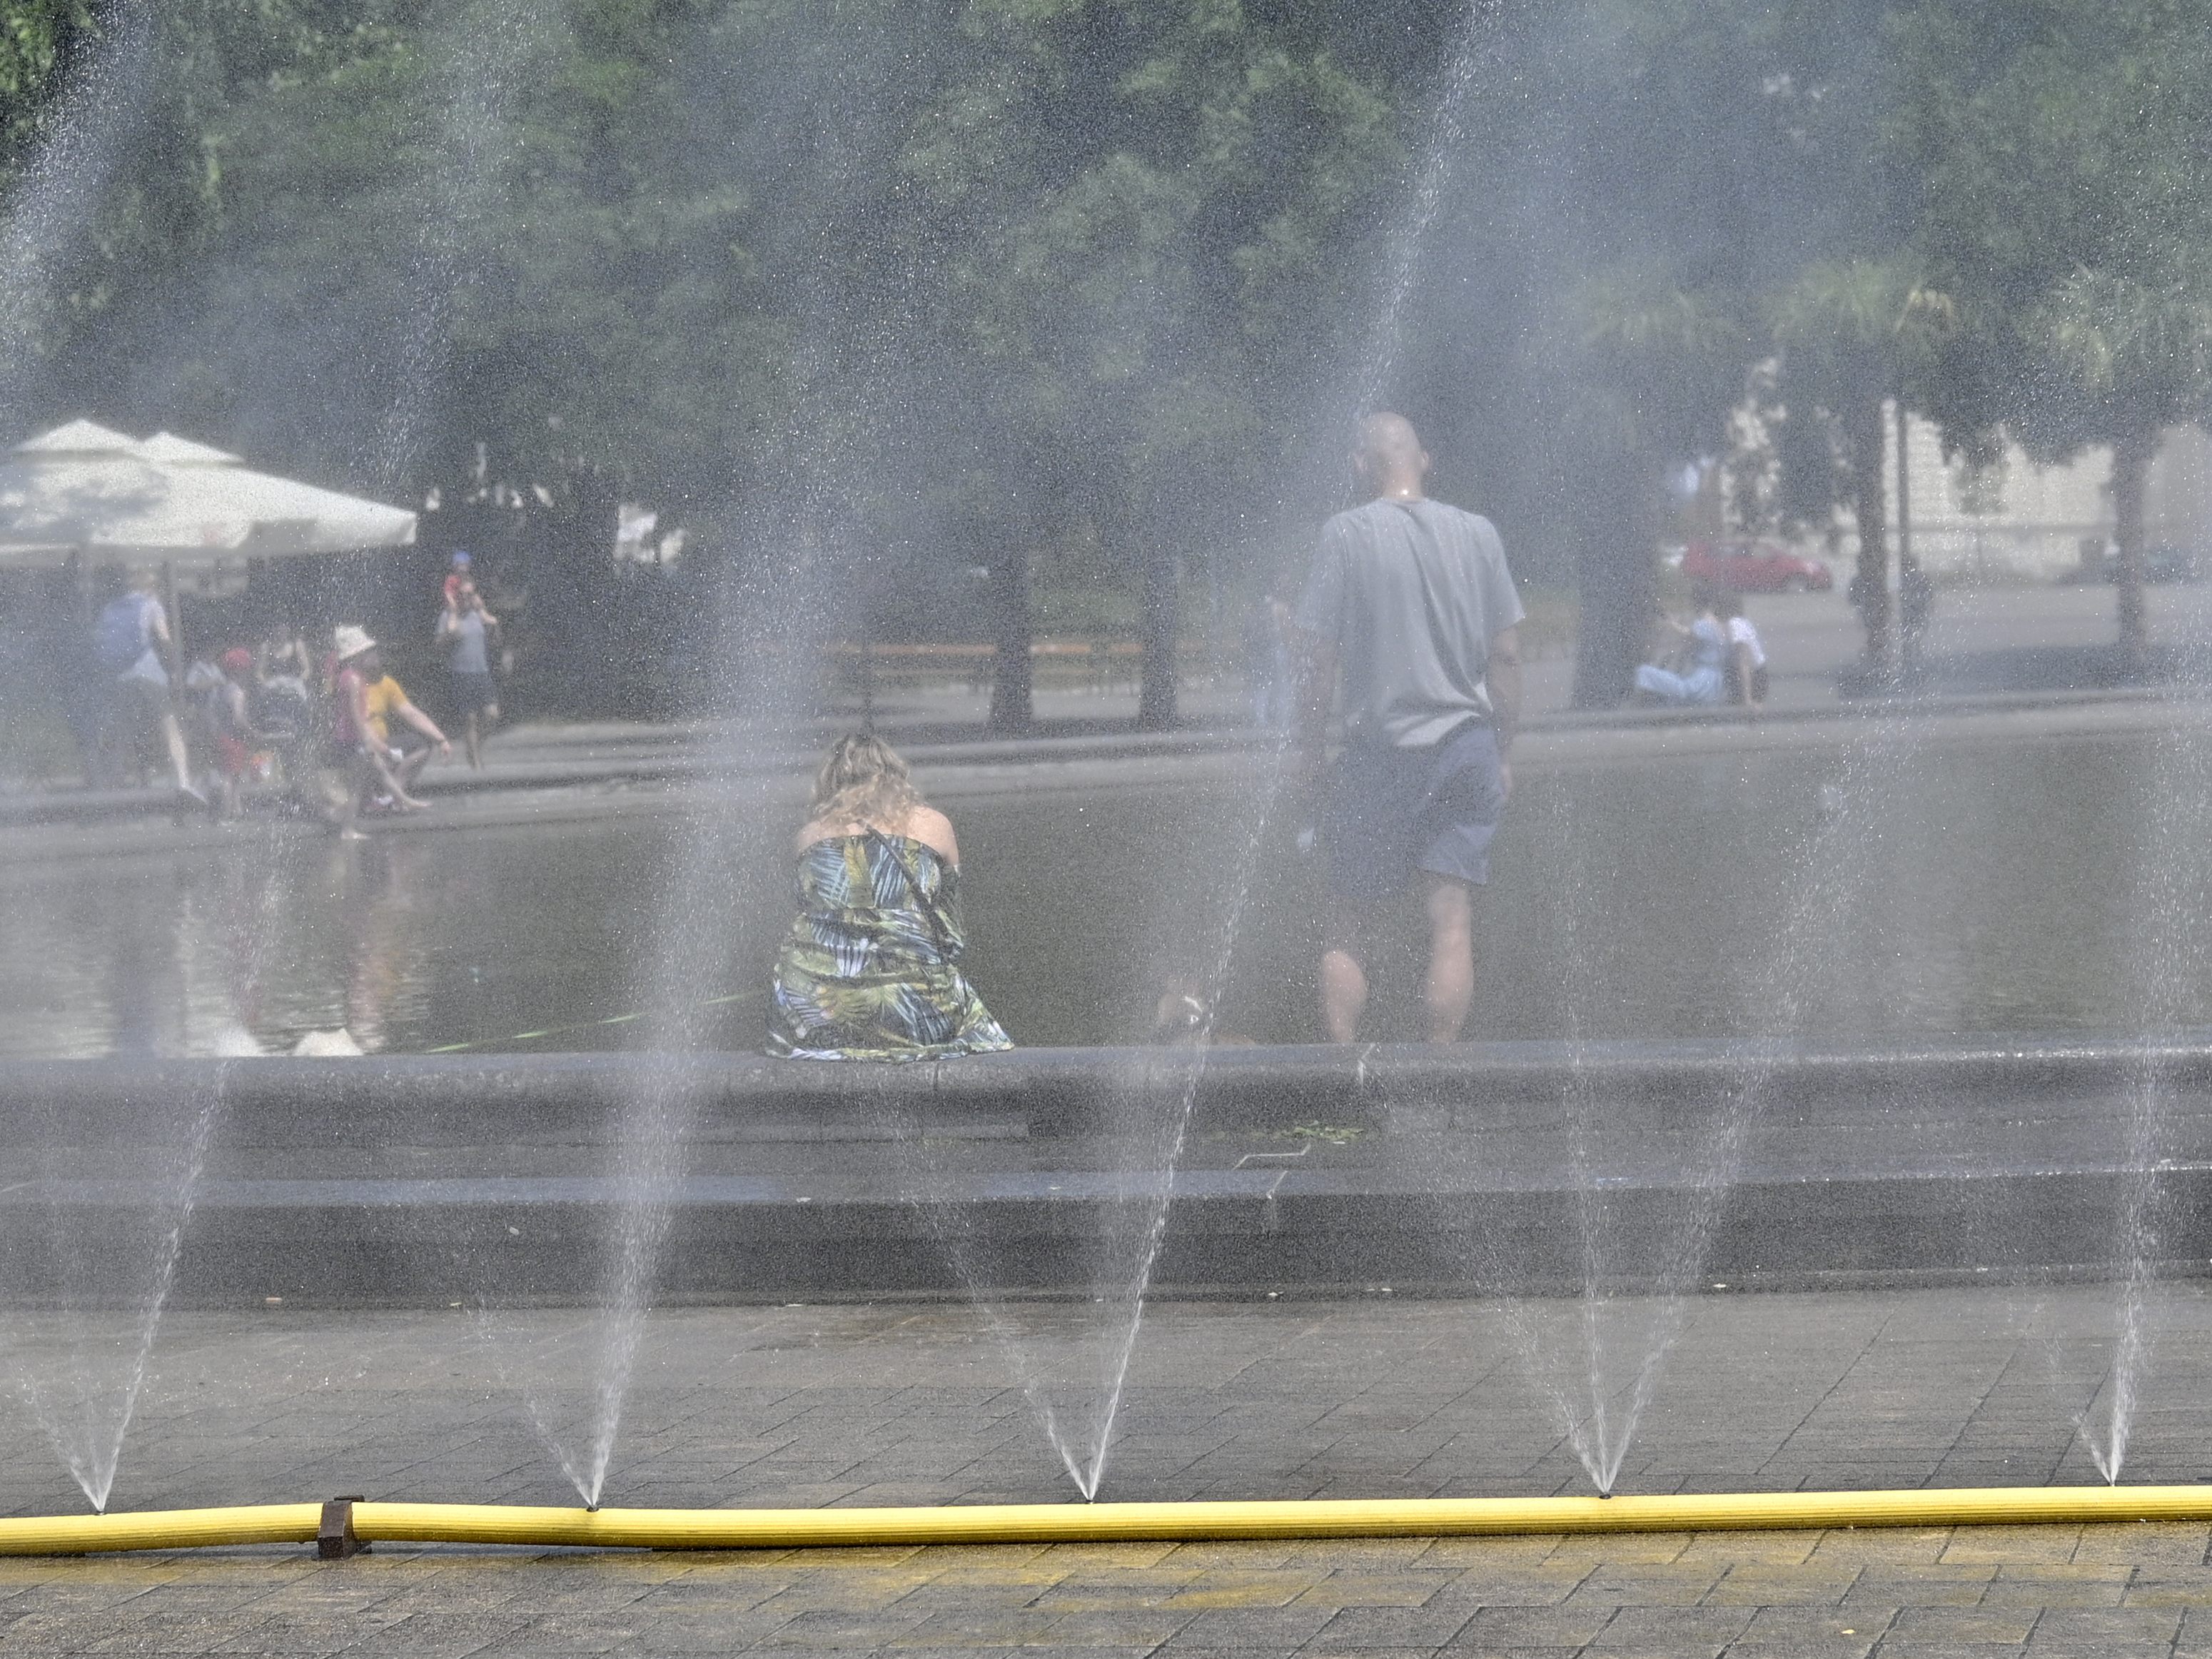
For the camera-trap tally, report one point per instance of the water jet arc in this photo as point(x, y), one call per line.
point(1050, 1524)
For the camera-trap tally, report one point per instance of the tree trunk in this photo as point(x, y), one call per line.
point(1158, 627)
point(1617, 583)
point(1013, 707)
point(1862, 438)
point(2132, 458)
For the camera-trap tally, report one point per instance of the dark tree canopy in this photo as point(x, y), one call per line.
point(1078, 291)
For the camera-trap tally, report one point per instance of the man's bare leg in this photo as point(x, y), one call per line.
point(1343, 981)
point(1449, 990)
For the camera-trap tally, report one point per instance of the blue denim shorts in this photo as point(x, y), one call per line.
point(1391, 813)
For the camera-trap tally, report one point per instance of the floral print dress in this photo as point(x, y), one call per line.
point(871, 967)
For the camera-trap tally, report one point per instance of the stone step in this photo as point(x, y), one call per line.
point(414, 1180)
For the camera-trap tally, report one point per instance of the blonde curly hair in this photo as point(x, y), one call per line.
point(863, 780)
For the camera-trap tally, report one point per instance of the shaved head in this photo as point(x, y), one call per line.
point(1388, 455)
point(1389, 440)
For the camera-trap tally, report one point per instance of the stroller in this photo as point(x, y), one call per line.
point(286, 717)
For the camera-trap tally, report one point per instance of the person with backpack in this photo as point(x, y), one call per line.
point(130, 641)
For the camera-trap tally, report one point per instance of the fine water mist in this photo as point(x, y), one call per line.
point(2173, 896)
point(696, 936)
point(106, 1261)
point(1075, 1369)
point(56, 200)
point(816, 366)
point(484, 51)
point(1643, 1189)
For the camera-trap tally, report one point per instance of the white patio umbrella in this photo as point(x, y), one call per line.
point(111, 499)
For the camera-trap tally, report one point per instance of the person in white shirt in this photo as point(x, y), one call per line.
point(1746, 657)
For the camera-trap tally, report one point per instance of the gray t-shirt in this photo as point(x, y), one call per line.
point(1411, 594)
point(465, 645)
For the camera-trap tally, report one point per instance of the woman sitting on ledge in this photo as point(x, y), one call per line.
point(871, 967)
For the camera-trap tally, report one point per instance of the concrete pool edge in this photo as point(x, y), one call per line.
point(412, 1180)
point(1305, 1072)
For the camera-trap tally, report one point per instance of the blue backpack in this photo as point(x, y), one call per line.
point(120, 637)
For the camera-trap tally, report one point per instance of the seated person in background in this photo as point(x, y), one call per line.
point(1701, 679)
point(229, 712)
point(1746, 657)
point(367, 701)
point(871, 967)
point(402, 734)
point(283, 707)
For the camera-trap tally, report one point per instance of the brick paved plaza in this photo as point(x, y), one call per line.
point(910, 1404)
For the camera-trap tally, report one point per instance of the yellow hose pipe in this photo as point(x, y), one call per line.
point(1028, 1523)
point(160, 1529)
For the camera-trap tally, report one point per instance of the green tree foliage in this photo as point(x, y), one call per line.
point(1853, 335)
point(1121, 235)
point(974, 277)
point(39, 40)
point(1666, 170)
point(2058, 162)
point(885, 291)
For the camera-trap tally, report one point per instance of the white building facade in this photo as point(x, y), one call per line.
point(2017, 521)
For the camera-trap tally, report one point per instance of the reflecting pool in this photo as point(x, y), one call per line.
point(1990, 891)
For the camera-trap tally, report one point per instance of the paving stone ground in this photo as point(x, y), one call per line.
point(908, 1404)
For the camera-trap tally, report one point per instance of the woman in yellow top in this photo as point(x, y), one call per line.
point(369, 701)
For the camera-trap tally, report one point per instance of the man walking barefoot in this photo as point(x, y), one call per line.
point(1411, 602)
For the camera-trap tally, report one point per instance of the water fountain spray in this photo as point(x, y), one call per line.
point(488, 51)
point(61, 189)
point(1377, 368)
point(2171, 887)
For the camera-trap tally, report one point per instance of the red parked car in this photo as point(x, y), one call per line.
point(1750, 567)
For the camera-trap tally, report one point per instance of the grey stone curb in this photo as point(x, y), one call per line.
point(425, 1180)
point(672, 758)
